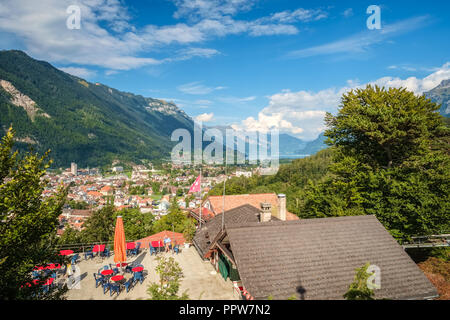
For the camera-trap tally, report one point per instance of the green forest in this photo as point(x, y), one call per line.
point(388, 156)
point(90, 124)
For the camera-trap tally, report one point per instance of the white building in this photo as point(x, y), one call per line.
point(246, 174)
point(73, 168)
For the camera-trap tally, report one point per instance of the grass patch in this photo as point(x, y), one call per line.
point(156, 196)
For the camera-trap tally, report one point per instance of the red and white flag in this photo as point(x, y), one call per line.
point(196, 185)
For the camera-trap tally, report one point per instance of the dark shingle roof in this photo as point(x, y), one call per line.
point(240, 215)
point(317, 258)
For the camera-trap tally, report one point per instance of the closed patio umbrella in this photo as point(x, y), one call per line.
point(120, 249)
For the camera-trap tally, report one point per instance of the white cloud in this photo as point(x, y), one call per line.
point(111, 72)
point(203, 102)
point(414, 84)
point(41, 27)
point(361, 42)
point(189, 53)
point(302, 113)
point(108, 38)
point(79, 72)
point(298, 15)
point(197, 88)
point(236, 100)
point(348, 13)
point(205, 117)
point(199, 9)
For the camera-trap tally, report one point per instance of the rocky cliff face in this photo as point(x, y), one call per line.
point(21, 100)
point(88, 123)
point(441, 95)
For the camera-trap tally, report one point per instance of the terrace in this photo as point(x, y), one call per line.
point(200, 280)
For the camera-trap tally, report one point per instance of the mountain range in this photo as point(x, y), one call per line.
point(441, 95)
point(87, 123)
point(291, 145)
point(93, 125)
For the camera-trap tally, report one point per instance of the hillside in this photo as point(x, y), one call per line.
point(291, 179)
point(441, 95)
point(290, 145)
point(79, 121)
point(312, 147)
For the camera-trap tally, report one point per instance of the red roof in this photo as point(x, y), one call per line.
point(237, 200)
point(206, 213)
point(95, 194)
point(174, 236)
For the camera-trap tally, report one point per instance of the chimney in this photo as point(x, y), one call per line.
point(282, 207)
point(266, 212)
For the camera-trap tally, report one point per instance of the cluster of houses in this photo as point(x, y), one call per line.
point(91, 188)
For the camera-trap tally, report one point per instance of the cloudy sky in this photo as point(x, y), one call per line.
point(252, 64)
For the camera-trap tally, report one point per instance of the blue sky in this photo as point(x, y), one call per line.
point(254, 64)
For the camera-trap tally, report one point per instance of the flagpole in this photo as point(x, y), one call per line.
point(224, 183)
point(200, 209)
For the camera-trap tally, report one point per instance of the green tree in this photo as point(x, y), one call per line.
point(28, 222)
point(79, 205)
point(137, 225)
point(358, 289)
point(170, 274)
point(155, 187)
point(100, 226)
point(384, 128)
point(175, 220)
point(190, 228)
point(70, 236)
point(386, 162)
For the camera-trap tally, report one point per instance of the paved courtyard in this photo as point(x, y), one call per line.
point(200, 280)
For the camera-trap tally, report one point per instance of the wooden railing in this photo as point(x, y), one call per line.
point(84, 247)
point(431, 241)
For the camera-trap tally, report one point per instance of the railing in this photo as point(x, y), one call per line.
point(431, 241)
point(84, 247)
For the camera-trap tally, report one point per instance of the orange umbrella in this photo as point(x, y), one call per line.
point(120, 250)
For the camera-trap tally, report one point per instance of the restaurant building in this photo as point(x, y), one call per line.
point(266, 256)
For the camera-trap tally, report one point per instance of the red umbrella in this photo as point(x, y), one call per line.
point(120, 249)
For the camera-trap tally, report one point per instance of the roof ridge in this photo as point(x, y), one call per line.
point(244, 194)
point(301, 221)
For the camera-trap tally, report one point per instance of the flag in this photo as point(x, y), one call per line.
point(196, 185)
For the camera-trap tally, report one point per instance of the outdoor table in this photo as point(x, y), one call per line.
point(117, 278)
point(99, 248)
point(138, 269)
point(49, 281)
point(66, 252)
point(131, 245)
point(157, 245)
point(53, 266)
point(107, 272)
point(123, 264)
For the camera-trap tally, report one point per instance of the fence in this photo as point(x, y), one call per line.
point(432, 241)
point(84, 247)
